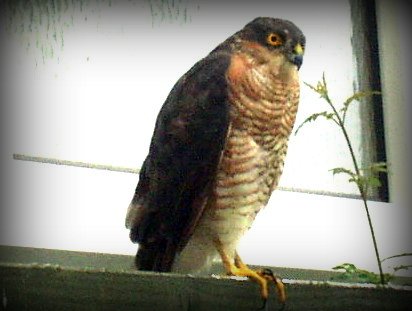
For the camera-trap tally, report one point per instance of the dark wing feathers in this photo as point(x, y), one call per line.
point(177, 174)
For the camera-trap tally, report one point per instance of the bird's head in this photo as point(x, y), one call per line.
point(278, 36)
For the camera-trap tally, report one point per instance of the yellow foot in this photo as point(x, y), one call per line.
point(263, 277)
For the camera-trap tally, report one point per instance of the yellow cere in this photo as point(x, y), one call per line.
point(299, 49)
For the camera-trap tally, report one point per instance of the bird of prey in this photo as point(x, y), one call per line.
point(217, 153)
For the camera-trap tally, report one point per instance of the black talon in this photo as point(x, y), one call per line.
point(267, 272)
point(268, 275)
point(264, 304)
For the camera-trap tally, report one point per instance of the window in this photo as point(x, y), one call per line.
point(86, 81)
point(98, 84)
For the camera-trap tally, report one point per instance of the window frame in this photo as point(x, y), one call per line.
point(367, 78)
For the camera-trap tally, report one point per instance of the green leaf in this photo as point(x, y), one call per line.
point(342, 170)
point(373, 182)
point(348, 267)
point(320, 88)
point(325, 114)
point(378, 167)
point(353, 177)
point(358, 96)
point(338, 170)
point(311, 86)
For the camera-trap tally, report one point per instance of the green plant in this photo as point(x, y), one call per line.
point(365, 178)
point(353, 274)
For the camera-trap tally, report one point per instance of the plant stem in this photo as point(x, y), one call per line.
point(361, 187)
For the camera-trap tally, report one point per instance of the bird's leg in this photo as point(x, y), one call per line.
point(238, 268)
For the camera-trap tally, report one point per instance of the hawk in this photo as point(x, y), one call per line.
point(217, 153)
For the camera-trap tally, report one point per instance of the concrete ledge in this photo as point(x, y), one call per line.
point(39, 279)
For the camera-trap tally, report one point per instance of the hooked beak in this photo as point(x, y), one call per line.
point(297, 56)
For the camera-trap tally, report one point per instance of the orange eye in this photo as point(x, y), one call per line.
point(274, 39)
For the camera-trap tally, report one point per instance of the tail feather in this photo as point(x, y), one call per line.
point(158, 256)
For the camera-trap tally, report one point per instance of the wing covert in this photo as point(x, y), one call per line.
point(179, 170)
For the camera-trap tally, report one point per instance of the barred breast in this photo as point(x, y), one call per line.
point(264, 101)
point(264, 106)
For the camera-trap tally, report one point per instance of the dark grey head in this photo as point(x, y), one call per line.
point(277, 34)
